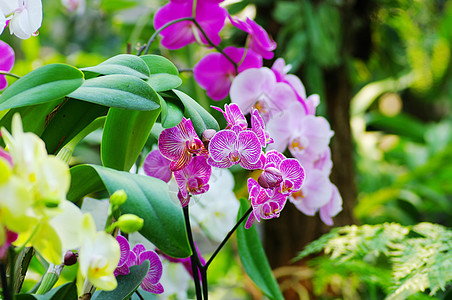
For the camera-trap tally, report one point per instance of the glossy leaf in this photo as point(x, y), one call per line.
point(164, 82)
point(121, 91)
point(253, 258)
point(125, 64)
point(127, 284)
point(200, 118)
point(45, 84)
point(71, 118)
point(66, 291)
point(125, 134)
point(147, 198)
point(171, 114)
point(158, 64)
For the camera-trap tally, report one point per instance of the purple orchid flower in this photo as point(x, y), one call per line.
point(193, 179)
point(180, 143)
point(156, 165)
point(258, 127)
point(285, 175)
point(258, 39)
point(208, 14)
point(6, 62)
point(136, 257)
point(186, 262)
point(215, 73)
point(228, 148)
point(233, 116)
point(10, 238)
point(266, 203)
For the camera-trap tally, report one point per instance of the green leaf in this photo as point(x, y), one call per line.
point(66, 291)
point(71, 118)
point(171, 114)
point(147, 197)
point(120, 91)
point(125, 64)
point(127, 284)
point(158, 64)
point(33, 117)
point(164, 74)
point(45, 84)
point(200, 118)
point(125, 134)
point(253, 257)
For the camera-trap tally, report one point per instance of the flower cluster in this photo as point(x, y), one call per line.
point(23, 17)
point(137, 256)
point(282, 116)
point(34, 210)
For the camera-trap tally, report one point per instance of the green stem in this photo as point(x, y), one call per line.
point(227, 237)
point(156, 33)
point(9, 74)
point(5, 287)
point(50, 278)
point(194, 257)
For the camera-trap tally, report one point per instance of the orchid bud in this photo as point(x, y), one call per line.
point(118, 198)
point(270, 178)
point(129, 223)
point(70, 258)
point(208, 134)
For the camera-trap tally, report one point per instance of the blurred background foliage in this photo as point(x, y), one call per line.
point(395, 57)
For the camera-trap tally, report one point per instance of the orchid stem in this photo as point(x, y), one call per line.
point(9, 74)
point(194, 257)
point(154, 36)
point(227, 237)
point(4, 281)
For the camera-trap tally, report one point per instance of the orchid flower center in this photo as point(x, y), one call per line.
point(194, 146)
point(299, 144)
point(194, 185)
point(299, 194)
point(286, 186)
point(234, 156)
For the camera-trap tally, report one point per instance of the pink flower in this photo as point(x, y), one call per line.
point(136, 257)
point(10, 238)
point(258, 127)
point(193, 179)
point(315, 193)
point(228, 148)
point(266, 203)
point(215, 73)
point(6, 62)
point(332, 208)
point(258, 88)
point(208, 14)
point(233, 116)
point(156, 165)
point(180, 143)
point(285, 175)
point(258, 39)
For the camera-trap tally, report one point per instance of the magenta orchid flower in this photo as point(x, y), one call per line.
point(266, 203)
point(180, 143)
point(6, 62)
point(258, 39)
point(258, 127)
point(215, 73)
point(209, 15)
point(234, 117)
point(228, 148)
point(156, 165)
point(285, 175)
point(258, 88)
point(136, 257)
point(193, 179)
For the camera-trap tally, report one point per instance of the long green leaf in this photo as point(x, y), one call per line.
point(171, 114)
point(125, 134)
point(120, 91)
point(127, 284)
point(68, 121)
point(164, 74)
point(67, 291)
point(200, 118)
point(253, 257)
point(45, 84)
point(147, 198)
point(125, 64)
